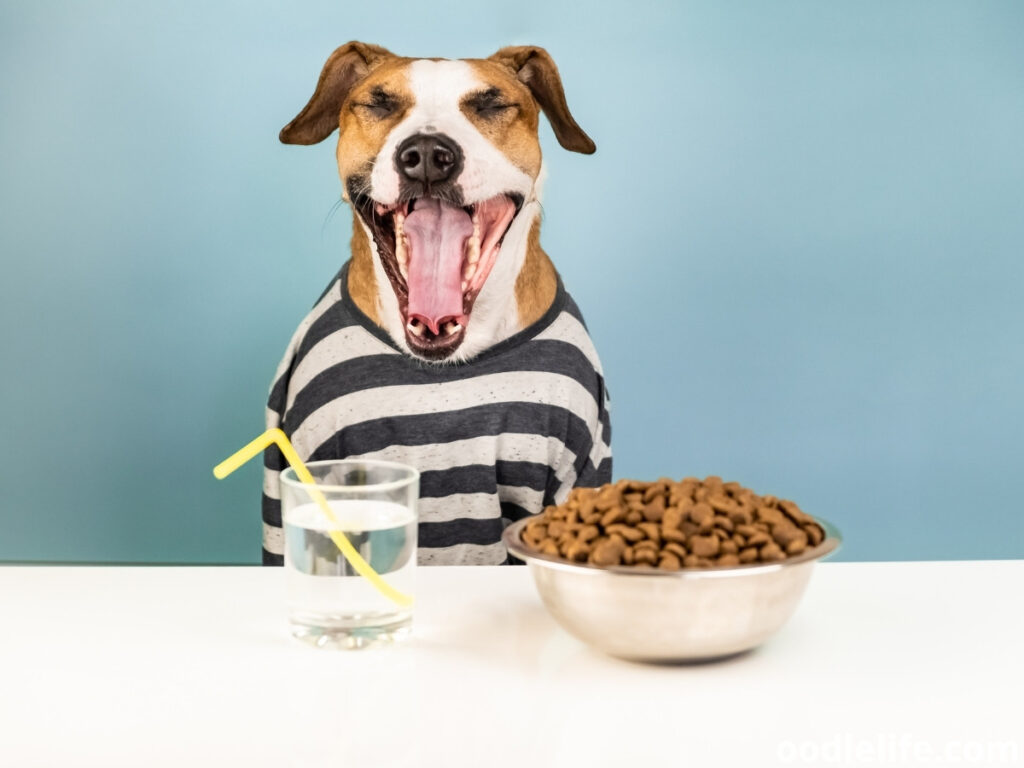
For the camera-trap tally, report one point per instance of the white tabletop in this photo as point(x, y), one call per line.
point(883, 663)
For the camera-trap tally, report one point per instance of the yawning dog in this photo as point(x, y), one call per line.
point(447, 341)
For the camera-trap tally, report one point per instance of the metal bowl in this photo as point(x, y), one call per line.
point(646, 614)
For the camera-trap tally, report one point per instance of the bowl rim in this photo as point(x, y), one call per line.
point(513, 543)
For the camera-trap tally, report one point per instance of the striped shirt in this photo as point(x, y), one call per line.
point(495, 438)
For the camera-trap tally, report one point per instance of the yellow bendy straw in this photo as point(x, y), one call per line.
point(276, 436)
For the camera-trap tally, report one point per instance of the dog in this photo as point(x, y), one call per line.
point(447, 341)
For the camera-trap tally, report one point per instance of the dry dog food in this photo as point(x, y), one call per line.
point(672, 525)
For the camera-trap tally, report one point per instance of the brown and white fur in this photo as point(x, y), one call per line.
point(488, 109)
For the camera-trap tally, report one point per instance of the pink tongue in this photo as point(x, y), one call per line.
point(437, 239)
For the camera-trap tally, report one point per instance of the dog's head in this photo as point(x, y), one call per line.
point(441, 162)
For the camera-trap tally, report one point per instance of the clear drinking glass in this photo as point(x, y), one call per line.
point(329, 604)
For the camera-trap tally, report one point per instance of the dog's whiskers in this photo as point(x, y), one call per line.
point(330, 215)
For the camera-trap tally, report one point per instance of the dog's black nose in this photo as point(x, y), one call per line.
point(429, 158)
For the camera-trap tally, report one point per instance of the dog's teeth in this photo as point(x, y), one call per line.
point(451, 328)
point(473, 249)
point(401, 245)
point(465, 285)
point(415, 327)
point(468, 271)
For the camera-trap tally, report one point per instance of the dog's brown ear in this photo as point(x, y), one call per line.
point(535, 68)
point(344, 68)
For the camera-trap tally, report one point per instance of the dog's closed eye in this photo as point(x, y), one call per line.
point(379, 104)
point(489, 103)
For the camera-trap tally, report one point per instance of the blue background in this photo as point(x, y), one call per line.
point(798, 247)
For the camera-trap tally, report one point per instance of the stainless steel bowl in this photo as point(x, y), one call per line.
point(646, 614)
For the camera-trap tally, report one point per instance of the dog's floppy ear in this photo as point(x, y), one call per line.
point(535, 68)
point(344, 68)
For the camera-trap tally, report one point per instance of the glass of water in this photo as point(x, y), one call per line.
point(374, 505)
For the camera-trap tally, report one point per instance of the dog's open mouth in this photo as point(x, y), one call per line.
point(437, 256)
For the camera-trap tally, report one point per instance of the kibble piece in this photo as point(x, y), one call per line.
point(722, 503)
point(648, 556)
point(652, 531)
point(729, 547)
point(630, 534)
point(672, 518)
point(796, 547)
point(609, 496)
point(634, 516)
point(578, 552)
point(655, 510)
point(612, 516)
point(535, 533)
point(592, 519)
point(742, 515)
point(700, 512)
point(801, 539)
point(671, 534)
point(608, 553)
point(772, 551)
point(768, 515)
point(587, 506)
point(748, 555)
point(669, 562)
point(785, 532)
point(679, 494)
point(815, 534)
point(677, 549)
point(759, 539)
point(792, 510)
point(627, 556)
point(729, 559)
point(704, 546)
